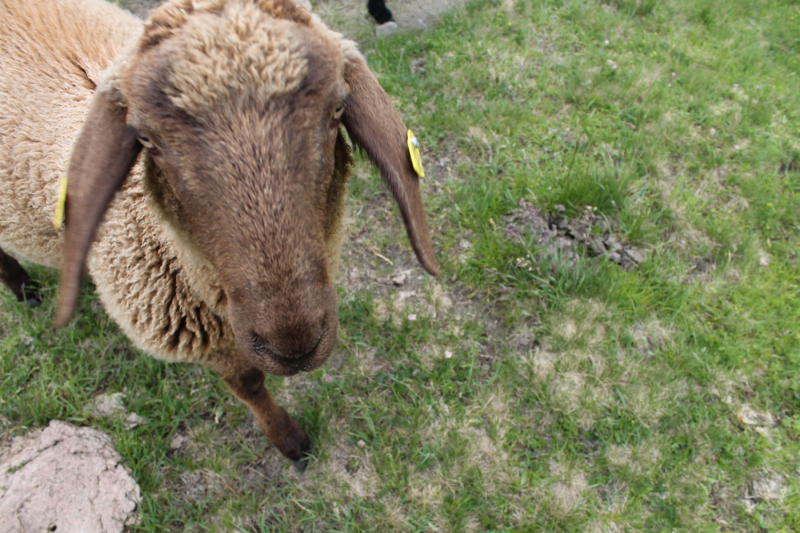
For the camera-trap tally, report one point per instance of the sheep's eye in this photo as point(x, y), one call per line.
point(146, 142)
point(337, 114)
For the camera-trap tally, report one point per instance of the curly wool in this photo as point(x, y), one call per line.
point(42, 107)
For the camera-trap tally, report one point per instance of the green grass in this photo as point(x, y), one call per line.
point(556, 396)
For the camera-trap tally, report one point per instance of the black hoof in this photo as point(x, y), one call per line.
point(300, 464)
point(31, 294)
point(379, 11)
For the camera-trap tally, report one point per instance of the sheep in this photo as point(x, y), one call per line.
point(206, 168)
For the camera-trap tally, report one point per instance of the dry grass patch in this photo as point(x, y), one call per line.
point(651, 334)
point(565, 494)
point(614, 514)
point(637, 460)
point(346, 472)
point(571, 363)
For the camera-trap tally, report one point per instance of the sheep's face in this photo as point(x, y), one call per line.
point(243, 132)
point(239, 111)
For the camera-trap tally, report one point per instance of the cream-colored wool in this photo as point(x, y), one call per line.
point(269, 61)
point(150, 278)
point(48, 69)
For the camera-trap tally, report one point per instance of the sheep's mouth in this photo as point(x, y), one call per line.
point(290, 366)
point(294, 364)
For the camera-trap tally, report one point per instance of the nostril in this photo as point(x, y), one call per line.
point(316, 343)
point(259, 346)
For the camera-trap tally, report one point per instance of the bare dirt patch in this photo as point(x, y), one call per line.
point(349, 16)
point(66, 479)
point(569, 238)
point(140, 8)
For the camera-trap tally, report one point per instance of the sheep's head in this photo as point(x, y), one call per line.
point(238, 105)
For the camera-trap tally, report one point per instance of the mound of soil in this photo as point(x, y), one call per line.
point(557, 235)
point(66, 479)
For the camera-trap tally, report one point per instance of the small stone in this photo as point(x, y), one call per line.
point(636, 255)
point(399, 280)
point(177, 442)
point(106, 405)
point(417, 67)
point(361, 443)
point(769, 489)
point(386, 30)
point(448, 355)
point(563, 242)
point(597, 246)
point(747, 415)
point(728, 400)
point(133, 420)
point(764, 432)
point(764, 258)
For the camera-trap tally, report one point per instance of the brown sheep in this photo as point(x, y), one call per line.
point(206, 170)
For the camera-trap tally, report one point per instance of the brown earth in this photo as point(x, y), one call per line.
point(553, 234)
point(350, 16)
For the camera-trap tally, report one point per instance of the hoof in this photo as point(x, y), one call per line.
point(300, 464)
point(300, 461)
point(31, 295)
point(379, 11)
point(384, 17)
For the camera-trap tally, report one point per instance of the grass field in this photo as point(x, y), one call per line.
point(630, 364)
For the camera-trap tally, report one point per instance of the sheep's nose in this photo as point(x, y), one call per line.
point(293, 353)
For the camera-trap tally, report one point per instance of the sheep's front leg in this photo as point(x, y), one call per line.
point(13, 276)
point(272, 419)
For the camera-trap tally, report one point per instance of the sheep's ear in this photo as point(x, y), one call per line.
point(106, 150)
point(374, 124)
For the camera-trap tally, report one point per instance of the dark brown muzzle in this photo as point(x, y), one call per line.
point(286, 332)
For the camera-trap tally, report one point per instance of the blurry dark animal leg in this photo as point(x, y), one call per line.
point(379, 11)
point(272, 419)
point(15, 278)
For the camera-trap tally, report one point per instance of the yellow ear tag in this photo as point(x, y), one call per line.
point(61, 203)
point(413, 149)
